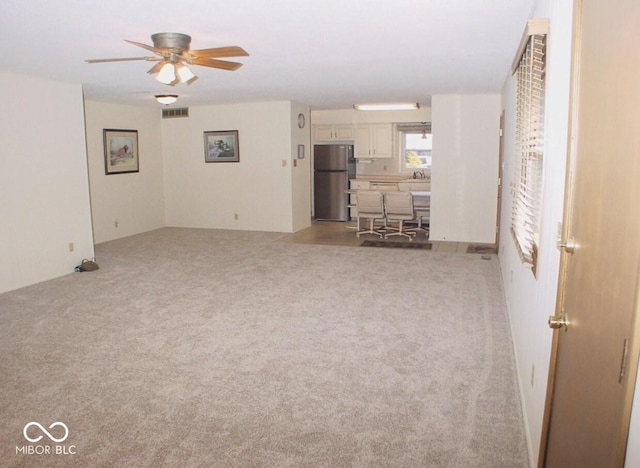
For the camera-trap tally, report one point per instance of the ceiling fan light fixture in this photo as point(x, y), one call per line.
point(185, 75)
point(166, 99)
point(172, 56)
point(167, 74)
point(387, 106)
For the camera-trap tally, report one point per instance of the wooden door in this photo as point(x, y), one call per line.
point(594, 360)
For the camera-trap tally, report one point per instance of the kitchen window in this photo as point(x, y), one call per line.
point(415, 142)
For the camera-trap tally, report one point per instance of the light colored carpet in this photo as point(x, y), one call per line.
point(193, 347)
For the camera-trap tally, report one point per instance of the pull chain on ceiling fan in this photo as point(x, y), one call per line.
point(174, 57)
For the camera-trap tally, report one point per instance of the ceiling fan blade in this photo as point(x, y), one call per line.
point(156, 68)
point(231, 51)
point(126, 59)
point(213, 63)
point(144, 46)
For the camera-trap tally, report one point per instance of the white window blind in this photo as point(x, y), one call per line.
point(527, 183)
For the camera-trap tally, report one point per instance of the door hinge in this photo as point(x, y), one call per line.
point(623, 363)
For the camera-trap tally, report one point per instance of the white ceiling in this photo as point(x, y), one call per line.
point(328, 54)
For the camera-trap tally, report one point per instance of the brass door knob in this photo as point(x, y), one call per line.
point(569, 246)
point(558, 321)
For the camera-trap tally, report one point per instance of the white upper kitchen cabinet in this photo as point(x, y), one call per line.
point(333, 133)
point(373, 141)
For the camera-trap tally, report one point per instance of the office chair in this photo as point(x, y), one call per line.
point(398, 207)
point(370, 206)
point(422, 208)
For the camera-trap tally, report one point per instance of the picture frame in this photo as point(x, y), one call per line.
point(120, 151)
point(300, 151)
point(221, 146)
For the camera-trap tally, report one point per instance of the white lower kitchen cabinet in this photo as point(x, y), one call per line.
point(415, 186)
point(355, 185)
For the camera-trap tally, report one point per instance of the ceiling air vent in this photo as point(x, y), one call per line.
point(175, 112)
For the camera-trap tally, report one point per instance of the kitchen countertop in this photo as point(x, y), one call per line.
point(390, 178)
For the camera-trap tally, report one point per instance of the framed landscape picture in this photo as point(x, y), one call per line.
point(120, 151)
point(221, 146)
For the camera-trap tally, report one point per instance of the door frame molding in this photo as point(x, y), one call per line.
point(631, 372)
point(500, 178)
point(566, 218)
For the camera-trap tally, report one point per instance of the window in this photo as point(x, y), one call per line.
point(529, 69)
point(415, 142)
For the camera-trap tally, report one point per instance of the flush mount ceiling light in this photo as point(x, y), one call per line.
point(387, 106)
point(166, 99)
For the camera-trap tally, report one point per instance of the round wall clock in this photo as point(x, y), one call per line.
point(301, 120)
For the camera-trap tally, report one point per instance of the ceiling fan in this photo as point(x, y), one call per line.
point(174, 57)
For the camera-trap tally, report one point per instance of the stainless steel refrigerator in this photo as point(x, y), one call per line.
point(333, 166)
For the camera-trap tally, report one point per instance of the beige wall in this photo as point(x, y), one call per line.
point(134, 200)
point(354, 117)
point(175, 187)
point(259, 189)
point(43, 181)
point(301, 170)
point(464, 174)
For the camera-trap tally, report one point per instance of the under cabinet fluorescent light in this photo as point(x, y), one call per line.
point(387, 107)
